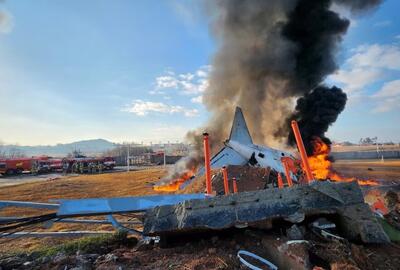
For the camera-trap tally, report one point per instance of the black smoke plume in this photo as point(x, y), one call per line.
point(315, 111)
point(269, 54)
point(359, 6)
point(316, 30)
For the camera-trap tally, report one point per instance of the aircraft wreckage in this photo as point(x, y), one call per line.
point(167, 215)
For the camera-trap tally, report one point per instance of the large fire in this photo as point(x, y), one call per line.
point(321, 166)
point(175, 184)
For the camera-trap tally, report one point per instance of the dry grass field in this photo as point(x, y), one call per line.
point(136, 183)
point(86, 186)
point(369, 169)
point(360, 148)
point(133, 183)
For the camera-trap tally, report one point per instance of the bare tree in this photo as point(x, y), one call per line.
point(2, 150)
point(368, 140)
point(76, 154)
point(120, 152)
point(14, 152)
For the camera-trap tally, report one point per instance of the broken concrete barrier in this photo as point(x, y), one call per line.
point(257, 207)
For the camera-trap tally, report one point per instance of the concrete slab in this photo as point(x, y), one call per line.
point(252, 208)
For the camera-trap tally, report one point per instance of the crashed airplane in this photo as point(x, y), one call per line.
point(240, 150)
point(167, 215)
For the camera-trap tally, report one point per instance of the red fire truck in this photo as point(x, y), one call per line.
point(44, 164)
point(12, 166)
point(87, 164)
point(56, 165)
point(109, 163)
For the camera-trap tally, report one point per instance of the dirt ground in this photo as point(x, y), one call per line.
point(360, 148)
point(85, 186)
point(27, 178)
point(136, 183)
point(140, 183)
point(31, 178)
point(122, 184)
point(389, 170)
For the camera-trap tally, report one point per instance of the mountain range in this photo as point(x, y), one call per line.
point(86, 147)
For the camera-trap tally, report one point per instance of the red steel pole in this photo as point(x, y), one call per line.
point(287, 171)
point(280, 182)
point(235, 190)
point(302, 150)
point(207, 163)
point(225, 175)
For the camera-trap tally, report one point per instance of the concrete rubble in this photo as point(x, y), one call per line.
point(343, 201)
point(302, 227)
point(248, 178)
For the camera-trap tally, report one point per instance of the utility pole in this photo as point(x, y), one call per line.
point(379, 151)
point(127, 157)
point(165, 160)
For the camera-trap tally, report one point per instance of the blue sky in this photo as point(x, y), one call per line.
point(135, 71)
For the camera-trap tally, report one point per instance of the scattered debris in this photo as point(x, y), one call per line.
point(293, 242)
point(323, 223)
point(247, 179)
point(299, 224)
point(252, 208)
point(258, 258)
point(294, 233)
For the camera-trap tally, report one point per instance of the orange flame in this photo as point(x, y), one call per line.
point(321, 166)
point(376, 199)
point(175, 184)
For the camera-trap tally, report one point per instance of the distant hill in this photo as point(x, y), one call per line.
point(87, 147)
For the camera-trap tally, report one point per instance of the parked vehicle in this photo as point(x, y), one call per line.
point(56, 165)
point(12, 166)
point(44, 164)
point(109, 163)
point(87, 164)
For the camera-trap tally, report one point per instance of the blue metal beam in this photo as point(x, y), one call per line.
point(99, 206)
point(4, 204)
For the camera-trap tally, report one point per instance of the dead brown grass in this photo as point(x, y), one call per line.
point(133, 184)
point(361, 148)
point(86, 186)
point(122, 184)
point(369, 169)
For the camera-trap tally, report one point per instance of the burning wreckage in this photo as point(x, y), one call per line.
point(270, 53)
point(268, 185)
point(259, 173)
point(253, 187)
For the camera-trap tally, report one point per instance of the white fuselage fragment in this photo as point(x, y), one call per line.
point(265, 156)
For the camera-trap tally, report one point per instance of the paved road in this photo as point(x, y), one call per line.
point(27, 178)
point(138, 168)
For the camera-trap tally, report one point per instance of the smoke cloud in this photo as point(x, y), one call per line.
point(270, 54)
point(315, 111)
point(357, 6)
point(317, 31)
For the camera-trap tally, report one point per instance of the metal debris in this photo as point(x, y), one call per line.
point(254, 256)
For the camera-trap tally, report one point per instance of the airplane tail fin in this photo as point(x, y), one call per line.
point(239, 131)
point(228, 156)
